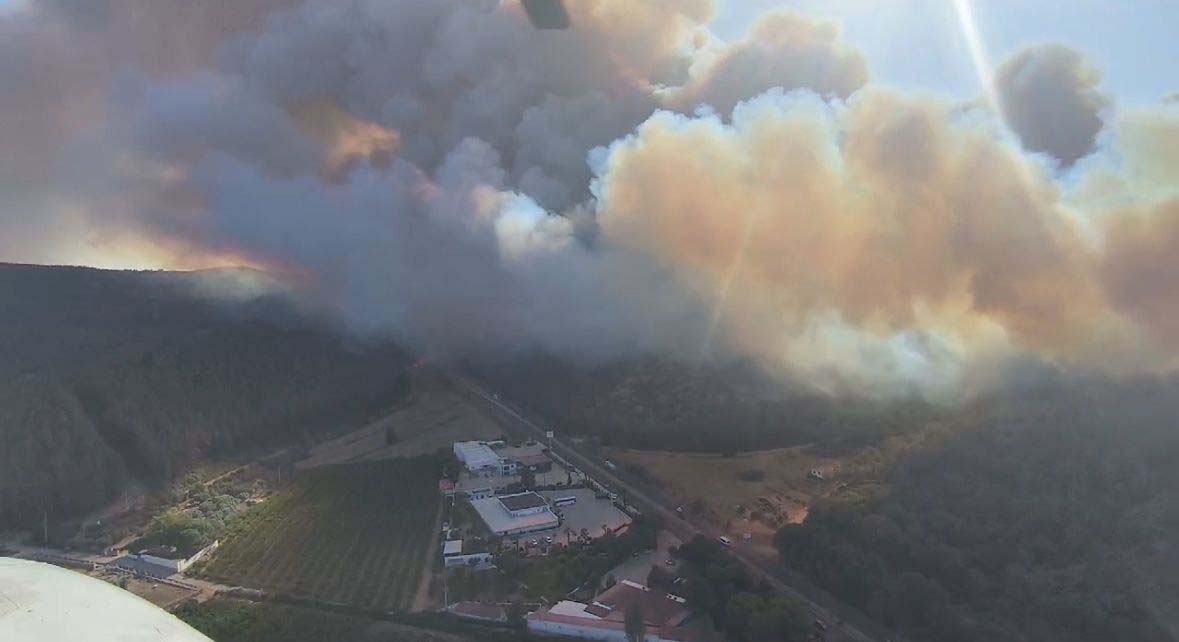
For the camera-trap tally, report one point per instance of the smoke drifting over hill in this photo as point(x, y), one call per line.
point(449, 174)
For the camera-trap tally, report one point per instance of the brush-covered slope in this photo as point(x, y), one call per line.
point(107, 376)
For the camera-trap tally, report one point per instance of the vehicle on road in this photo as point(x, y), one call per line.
point(724, 540)
point(609, 464)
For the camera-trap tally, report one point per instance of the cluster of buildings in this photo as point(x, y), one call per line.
point(664, 615)
point(605, 618)
point(490, 480)
point(491, 469)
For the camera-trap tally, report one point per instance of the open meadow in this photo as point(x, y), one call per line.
point(353, 534)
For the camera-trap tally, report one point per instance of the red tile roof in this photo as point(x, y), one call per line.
point(659, 608)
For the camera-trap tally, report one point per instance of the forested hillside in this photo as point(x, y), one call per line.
point(1050, 515)
point(665, 404)
point(107, 376)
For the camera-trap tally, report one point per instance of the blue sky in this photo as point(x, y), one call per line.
point(918, 43)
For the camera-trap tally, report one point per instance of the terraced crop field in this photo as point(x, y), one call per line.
point(353, 534)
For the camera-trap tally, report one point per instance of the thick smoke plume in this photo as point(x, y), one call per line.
point(450, 175)
point(1049, 96)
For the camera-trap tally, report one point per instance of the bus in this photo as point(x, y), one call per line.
point(564, 501)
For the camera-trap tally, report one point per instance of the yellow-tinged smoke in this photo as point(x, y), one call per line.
point(893, 216)
point(345, 138)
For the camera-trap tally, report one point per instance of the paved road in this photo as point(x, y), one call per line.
point(684, 528)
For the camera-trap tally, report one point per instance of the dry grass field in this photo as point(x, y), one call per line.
point(780, 476)
point(433, 419)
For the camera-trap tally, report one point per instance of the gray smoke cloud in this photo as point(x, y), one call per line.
point(783, 49)
point(1049, 97)
point(449, 175)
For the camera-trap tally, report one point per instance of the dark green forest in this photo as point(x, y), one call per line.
point(107, 376)
point(1051, 516)
point(662, 404)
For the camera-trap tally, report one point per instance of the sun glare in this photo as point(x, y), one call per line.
point(978, 54)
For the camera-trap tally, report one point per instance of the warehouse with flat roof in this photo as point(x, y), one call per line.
point(516, 514)
point(479, 457)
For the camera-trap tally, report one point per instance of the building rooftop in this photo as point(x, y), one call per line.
point(522, 501)
point(476, 454)
point(659, 608)
point(452, 547)
point(167, 552)
point(570, 608)
point(144, 567)
point(501, 521)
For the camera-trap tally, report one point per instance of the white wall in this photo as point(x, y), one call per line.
point(588, 632)
point(465, 560)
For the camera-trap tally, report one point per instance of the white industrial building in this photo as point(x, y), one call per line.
point(456, 553)
point(480, 458)
point(164, 562)
point(516, 514)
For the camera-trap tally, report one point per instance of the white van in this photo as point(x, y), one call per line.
point(725, 541)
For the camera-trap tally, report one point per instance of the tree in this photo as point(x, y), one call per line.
point(516, 613)
point(636, 625)
point(659, 578)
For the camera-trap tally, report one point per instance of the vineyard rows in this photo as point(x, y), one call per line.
point(353, 534)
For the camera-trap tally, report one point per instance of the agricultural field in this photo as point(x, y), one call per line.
point(232, 621)
point(354, 534)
